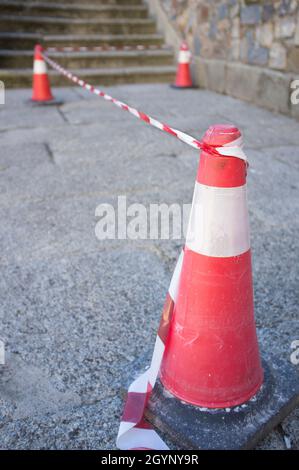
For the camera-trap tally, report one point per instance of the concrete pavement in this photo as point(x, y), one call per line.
point(75, 311)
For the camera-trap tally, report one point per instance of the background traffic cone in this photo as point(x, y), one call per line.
point(41, 91)
point(183, 76)
point(211, 356)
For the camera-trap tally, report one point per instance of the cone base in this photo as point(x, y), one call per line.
point(213, 404)
point(53, 102)
point(240, 427)
point(178, 87)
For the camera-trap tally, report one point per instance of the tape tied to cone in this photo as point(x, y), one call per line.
point(134, 432)
point(212, 357)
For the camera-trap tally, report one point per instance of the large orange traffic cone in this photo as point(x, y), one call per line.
point(211, 355)
point(183, 76)
point(41, 91)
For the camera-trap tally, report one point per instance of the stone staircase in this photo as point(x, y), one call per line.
point(74, 23)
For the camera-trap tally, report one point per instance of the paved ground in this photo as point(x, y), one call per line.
point(75, 311)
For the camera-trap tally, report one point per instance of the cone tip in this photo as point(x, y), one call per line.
point(184, 46)
point(38, 49)
point(221, 134)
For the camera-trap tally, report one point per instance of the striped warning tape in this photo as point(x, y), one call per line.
point(138, 47)
point(140, 115)
point(187, 139)
point(134, 432)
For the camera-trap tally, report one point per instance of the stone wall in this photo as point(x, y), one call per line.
point(264, 33)
point(241, 47)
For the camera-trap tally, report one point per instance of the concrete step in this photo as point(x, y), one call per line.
point(15, 78)
point(77, 23)
point(84, 60)
point(51, 25)
point(28, 40)
point(72, 10)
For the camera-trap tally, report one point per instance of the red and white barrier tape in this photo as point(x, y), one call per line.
point(144, 117)
point(187, 139)
point(134, 432)
point(138, 47)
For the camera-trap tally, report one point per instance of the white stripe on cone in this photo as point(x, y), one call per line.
point(213, 229)
point(39, 67)
point(184, 57)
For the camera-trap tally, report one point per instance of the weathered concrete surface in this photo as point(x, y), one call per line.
point(76, 312)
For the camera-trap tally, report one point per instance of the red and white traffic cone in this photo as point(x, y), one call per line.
point(41, 91)
point(183, 76)
point(211, 356)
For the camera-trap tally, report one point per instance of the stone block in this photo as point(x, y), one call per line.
point(251, 14)
point(211, 74)
point(235, 31)
point(278, 56)
point(197, 45)
point(257, 55)
point(213, 29)
point(273, 91)
point(287, 7)
point(264, 34)
point(200, 72)
point(284, 27)
point(242, 81)
point(234, 53)
point(222, 11)
point(247, 42)
point(204, 13)
point(267, 12)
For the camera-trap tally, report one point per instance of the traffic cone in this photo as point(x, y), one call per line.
point(211, 354)
point(41, 91)
point(183, 76)
point(209, 393)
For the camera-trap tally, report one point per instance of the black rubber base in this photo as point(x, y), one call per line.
point(240, 427)
point(54, 102)
point(183, 87)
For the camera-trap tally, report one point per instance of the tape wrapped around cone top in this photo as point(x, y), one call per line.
point(134, 432)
